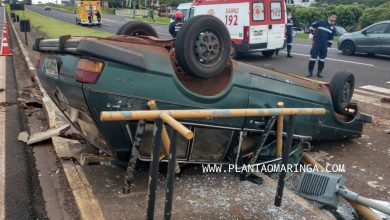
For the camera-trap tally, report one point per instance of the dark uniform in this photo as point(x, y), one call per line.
point(323, 32)
point(90, 16)
point(289, 36)
point(174, 27)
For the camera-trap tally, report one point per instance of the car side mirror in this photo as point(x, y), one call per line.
point(364, 32)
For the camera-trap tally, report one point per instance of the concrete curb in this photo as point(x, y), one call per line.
point(87, 203)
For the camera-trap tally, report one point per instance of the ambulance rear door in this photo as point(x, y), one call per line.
point(277, 24)
point(258, 38)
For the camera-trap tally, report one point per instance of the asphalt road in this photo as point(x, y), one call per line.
point(372, 72)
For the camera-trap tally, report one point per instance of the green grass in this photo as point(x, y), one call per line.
point(54, 28)
point(306, 36)
point(71, 9)
point(157, 20)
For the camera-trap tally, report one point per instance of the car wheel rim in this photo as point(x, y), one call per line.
point(346, 93)
point(347, 48)
point(207, 48)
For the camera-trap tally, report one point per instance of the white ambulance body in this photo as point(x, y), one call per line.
point(254, 25)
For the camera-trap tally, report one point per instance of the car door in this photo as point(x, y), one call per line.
point(371, 39)
point(386, 41)
point(259, 25)
point(276, 27)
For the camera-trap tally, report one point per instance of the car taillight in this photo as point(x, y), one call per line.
point(88, 71)
point(246, 32)
point(37, 60)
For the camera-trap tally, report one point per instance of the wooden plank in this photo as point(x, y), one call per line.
point(41, 136)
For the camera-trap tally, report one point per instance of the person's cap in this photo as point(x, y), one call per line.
point(178, 14)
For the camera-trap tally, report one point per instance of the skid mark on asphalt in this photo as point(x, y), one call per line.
point(337, 60)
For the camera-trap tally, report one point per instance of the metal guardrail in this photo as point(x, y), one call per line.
point(161, 141)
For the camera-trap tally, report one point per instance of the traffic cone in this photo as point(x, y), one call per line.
point(4, 48)
point(5, 34)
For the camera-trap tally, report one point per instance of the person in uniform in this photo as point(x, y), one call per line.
point(322, 33)
point(289, 34)
point(175, 26)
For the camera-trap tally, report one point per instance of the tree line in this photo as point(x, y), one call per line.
point(352, 17)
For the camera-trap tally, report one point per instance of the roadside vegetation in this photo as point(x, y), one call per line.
point(71, 9)
point(54, 28)
point(352, 17)
point(157, 20)
point(306, 36)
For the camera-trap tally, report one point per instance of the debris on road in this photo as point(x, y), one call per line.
point(6, 104)
point(385, 100)
point(23, 136)
point(86, 159)
point(41, 136)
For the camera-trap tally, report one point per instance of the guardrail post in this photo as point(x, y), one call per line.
point(172, 163)
point(286, 153)
point(154, 166)
point(129, 176)
point(279, 132)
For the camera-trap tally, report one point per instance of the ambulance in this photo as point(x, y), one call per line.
point(82, 9)
point(254, 25)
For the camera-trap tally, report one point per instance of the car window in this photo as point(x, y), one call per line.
point(258, 11)
point(276, 10)
point(388, 29)
point(377, 29)
point(341, 30)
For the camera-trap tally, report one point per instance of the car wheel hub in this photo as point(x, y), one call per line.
point(346, 92)
point(207, 48)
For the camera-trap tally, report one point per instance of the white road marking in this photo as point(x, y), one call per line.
point(388, 82)
point(376, 89)
point(2, 139)
point(337, 60)
point(306, 45)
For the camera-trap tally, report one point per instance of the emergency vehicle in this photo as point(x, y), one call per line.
point(254, 25)
point(85, 7)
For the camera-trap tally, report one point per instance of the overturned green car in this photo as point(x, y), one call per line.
point(87, 75)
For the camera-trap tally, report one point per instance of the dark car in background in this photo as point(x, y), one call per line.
point(340, 31)
point(374, 39)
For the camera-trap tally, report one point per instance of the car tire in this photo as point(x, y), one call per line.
point(268, 53)
point(341, 89)
point(348, 48)
point(202, 46)
point(137, 28)
point(234, 53)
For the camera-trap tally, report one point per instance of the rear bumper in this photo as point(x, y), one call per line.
point(246, 47)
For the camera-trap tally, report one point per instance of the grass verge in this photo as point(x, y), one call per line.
point(54, 28)
point(306, 36)
point(157, 20)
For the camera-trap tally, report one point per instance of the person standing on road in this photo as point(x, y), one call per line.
point(151, 14)
point(90, 17)
point(175, 26)
point(322, 33)
point(289, 34)
point(98, 16)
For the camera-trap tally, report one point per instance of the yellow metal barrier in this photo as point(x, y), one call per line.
point(170, 116)
point(210, 113)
